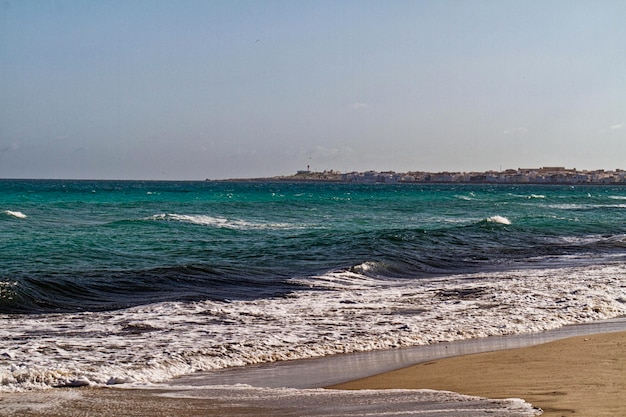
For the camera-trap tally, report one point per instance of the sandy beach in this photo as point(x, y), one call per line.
point(584, 375)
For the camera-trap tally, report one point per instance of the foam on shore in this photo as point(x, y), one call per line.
point(248, 401)
point(344, 312)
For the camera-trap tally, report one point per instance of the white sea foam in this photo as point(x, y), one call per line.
point(7, 290)
point(528, 196)
point(222, 222)
point(292, 402)
point(498, 219)
point(325, 402)
point(568, 206)
point(575, 206)
point(16, 214)
point(350, 312)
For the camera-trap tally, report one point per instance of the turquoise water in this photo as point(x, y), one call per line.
point(229, 266)
point(102, 245)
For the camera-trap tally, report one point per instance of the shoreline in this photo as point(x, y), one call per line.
point(553, 392)
point(324, 371)
point(106, 402)
point(583, 375)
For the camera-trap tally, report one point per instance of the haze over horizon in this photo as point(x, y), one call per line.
point(233, 89)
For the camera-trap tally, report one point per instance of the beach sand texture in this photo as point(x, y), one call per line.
point(582, 376)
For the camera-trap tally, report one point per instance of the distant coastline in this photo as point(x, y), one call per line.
point(544, 175)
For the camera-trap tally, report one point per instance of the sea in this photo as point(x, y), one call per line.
point(118, 282)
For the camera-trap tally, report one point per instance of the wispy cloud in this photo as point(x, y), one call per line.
point(359, 105)
point(515, 131)
point(10, 147)
point(613, 128)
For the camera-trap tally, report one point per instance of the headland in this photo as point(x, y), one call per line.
point(543, 175)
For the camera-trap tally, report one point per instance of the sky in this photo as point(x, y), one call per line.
point(191, 90)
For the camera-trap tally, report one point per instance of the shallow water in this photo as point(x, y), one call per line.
point(109, 282)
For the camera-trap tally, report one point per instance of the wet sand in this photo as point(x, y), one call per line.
point(107, 402)
point(583, 376)
point(110, 402)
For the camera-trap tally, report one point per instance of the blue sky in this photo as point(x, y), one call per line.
point(220, 89)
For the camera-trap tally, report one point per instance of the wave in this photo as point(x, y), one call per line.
point(16, 214)
point(113, 290)
point(584, 207)
point(528, 196)
point(162, 340)
point(219, 270)
point(499, 220)
point(221, 222)
point(363, 275)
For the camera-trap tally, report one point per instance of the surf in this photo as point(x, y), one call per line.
point(221, 222)
point(499, 220)
point(16, 214)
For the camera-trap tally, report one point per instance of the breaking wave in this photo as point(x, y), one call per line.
point(16, 214)
point(221, 222)
point(499, 219)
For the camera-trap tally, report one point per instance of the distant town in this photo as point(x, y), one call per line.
point(544, 175)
